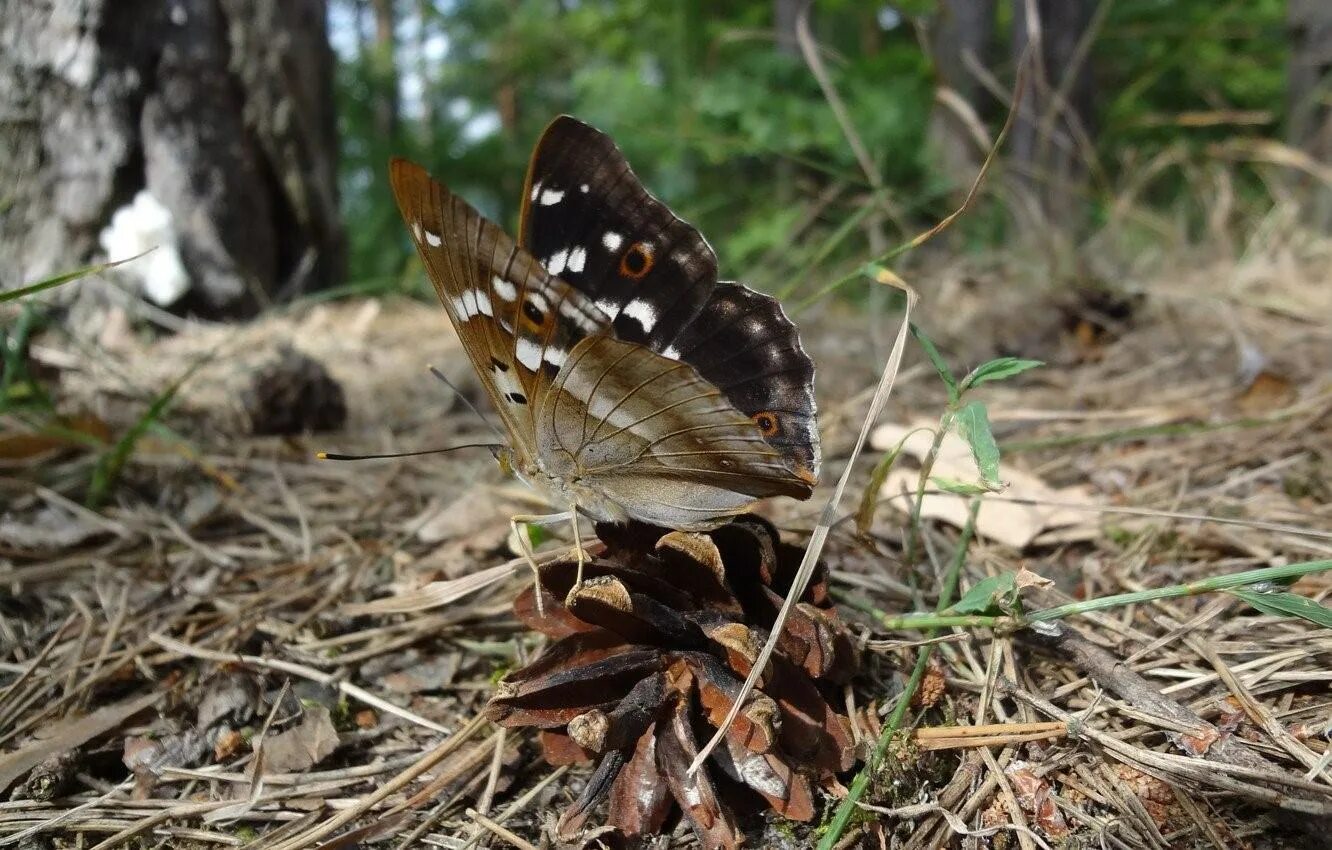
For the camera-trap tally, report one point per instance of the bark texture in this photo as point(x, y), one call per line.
point(1054, 126)
point(1309, 87)
point(221, 109)
point(962, 33)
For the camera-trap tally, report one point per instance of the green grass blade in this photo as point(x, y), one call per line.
point(1287, 605)
point(110, 465)
point(847, 807)
point(17, 388)
point(67, 277)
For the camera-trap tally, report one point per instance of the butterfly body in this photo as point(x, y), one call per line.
point(631, 383)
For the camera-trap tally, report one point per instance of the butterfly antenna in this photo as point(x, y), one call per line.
point(467, 401)
point(335, 456)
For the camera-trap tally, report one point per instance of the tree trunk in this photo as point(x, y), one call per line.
point(963, 31)
point(218, 112)
point(387, 107)
point(1309, 85)
point(425, 70)
point(1054, 124)
point(785, 14)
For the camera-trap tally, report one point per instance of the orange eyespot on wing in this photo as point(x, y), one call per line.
point(805, 474)
point(636, 262)
point(767, 423)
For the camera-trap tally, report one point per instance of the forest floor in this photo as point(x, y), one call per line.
point(1176, 435)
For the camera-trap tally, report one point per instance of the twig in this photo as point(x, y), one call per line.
point(499, 830)
point(429, 760)
point(302, 671)
point(820, 536)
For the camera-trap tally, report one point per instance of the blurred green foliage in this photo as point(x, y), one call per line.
point(733, 131)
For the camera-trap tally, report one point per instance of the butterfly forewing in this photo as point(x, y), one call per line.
point(657, 438)
point(583, 213)
point(589, 219)
point(516, 322)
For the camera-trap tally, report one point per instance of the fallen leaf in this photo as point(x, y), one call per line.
point(463, 517)
point(1034, 796)
point(50, 527)
point(1267, 392)
point(304, 745)
point(231, 695)
point(430, 675)
point(68, 734)
point(149, 755)
point(1026, 578)
point(1000, 519)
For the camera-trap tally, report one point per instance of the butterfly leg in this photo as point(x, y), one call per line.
point(525, 546)
point(578, 545)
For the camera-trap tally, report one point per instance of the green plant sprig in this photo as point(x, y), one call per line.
point(977, 608)
point(973, 424)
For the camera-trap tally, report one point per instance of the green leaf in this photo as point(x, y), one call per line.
point(973, 423)
point(991, 596)
point(998, 369)
point(110, 465)
point(961, 488)
point(536, 535)
point(17, 386)
point(52, 282)
point(869, 498)
point(1288, 605)
point(938, 362)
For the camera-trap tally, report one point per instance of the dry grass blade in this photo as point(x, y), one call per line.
point(828, 516)
point(73, 733)
point(827, 519)
point(437, 594)
point(303, 672)
point(397, 783)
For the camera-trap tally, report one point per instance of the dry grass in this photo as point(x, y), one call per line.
point(211, 597)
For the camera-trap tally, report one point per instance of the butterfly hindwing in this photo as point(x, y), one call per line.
point(656, 437)
point(515, 320)
point(743, 344)
point(588, 218)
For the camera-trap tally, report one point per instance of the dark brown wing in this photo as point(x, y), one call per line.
point(587, 216)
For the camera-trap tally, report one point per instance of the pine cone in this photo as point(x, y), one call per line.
point(647, 659)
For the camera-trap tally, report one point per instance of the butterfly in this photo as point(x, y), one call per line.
point(631, 383)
